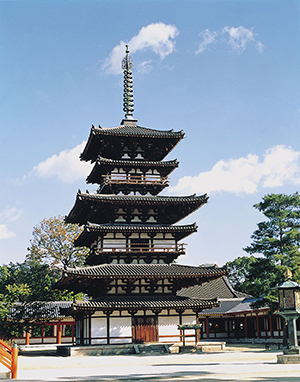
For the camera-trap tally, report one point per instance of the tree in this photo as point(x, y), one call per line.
point(276, 242)
point(52, 243)
point(24, 289)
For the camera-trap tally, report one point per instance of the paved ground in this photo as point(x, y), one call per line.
point(236, 364)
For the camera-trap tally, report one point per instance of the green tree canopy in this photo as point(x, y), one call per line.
point(276, 244)
point(24, 289)
point(52, 243)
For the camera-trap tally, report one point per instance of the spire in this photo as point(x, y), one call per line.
point(128, 105)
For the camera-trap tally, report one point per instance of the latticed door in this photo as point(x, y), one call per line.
point(144, 329)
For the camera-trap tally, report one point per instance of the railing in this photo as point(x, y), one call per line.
point(136, 179)
point(9, 358)
point(172, 248)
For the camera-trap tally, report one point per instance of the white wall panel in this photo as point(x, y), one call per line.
point(120, 327)
point(167, 326)
point(98, 329)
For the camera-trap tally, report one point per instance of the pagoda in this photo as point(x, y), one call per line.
point(131, 278)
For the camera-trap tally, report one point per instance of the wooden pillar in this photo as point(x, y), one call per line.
point(42, 332)
point(27, 338)
point(207, 327)
point(257, 326)
point(107, 326)
point(271, 326)
point(14, 362)
point(245, 326)
point(90, 330)
point(59, 332)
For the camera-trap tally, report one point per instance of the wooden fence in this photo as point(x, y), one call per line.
point(9, 358)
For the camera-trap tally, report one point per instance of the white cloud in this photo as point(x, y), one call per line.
point(238, 38)
point(11, 214)
point(157, 37)
point(66, 166)
point(208, 38)
point(5, 233)
point(280, 166)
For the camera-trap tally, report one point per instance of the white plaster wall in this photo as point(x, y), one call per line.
point(189, 320)
point(120, 327)
point(167, 326)
point(98, 329)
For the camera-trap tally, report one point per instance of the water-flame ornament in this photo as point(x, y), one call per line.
point(127, 65)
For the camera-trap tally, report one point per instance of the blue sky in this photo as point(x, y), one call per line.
point(226, 72)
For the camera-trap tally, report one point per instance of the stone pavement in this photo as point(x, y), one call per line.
point(235, 364)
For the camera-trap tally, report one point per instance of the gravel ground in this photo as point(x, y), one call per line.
point(237, 363)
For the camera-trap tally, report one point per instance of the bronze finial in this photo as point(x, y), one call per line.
point(128, 105)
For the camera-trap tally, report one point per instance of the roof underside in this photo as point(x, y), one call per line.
point(99, 209)
point(144, 303)
point(103, 141)
point(93, 231)
point(104, 166)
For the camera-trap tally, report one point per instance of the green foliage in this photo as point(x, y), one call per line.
point(52, 243)
point(24, 289)
point(276, 242)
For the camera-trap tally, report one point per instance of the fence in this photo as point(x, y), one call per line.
point(9, 358)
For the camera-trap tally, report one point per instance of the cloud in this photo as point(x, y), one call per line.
point(238, 38)
point(280, 165)
point(5, 233)
point(208, 38)
point(11, 214)
point(66, 166)
point(156, 37)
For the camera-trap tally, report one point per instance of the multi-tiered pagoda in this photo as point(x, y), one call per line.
point(133, 238)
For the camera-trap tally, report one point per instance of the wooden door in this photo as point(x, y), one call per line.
point(144, 329)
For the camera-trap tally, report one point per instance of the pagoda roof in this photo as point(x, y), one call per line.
point(220, 288)
point(128, 132)
point(92, 231)
point(87, 206)
point(140, 271)
point(131, 303)
point(94, 280)
point(104, 165)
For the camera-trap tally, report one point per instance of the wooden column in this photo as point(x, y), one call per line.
point(257, 326)
point(207, 327)
point(59, 332)
point(245, 326)
point(107, 313)
point(271, 326)
point(27, 338)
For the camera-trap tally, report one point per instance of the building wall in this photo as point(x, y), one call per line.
point(116, 328)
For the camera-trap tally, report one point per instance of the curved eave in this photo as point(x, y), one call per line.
point(97, 134)
point(103, 166)
point(132, 303)
point(93, 231)
point(87, 205)
point(140, 271)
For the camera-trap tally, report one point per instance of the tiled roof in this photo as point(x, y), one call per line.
point(91, 231)
point(245, 306)
point(40, 309)
point(136, 131)
point(144, 303)
point(220, 288)
point(104, 165)
point(136, 163)
point(225, 306)
point(146, 270)
point(89, 207)
point(143, 200)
